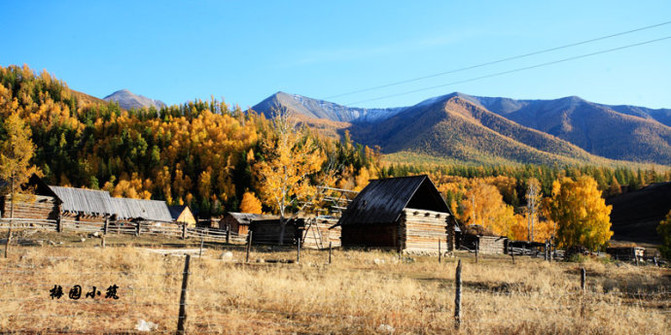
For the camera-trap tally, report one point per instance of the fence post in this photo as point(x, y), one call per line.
point(249, 245)
point(583, 274)
point(106, 225)
point(228, 234)
point(439, 253)
point(477, 249)
point(298, 250)
point(102, 242)
point(184, 231)
point(545, 251)
point(512, 254)
point(59, 224)
point(137, 228)
point(202, 239)
point(330, 250)
point(457, 297)
point(181, 322)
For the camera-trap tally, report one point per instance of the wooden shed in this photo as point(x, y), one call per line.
point(182, 215)
point(84, 205)
point(269, 231)
point(41, 203)
point(239, 222)
point(405, 214)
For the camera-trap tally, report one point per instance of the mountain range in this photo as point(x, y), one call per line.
point(129, 100)
point(489, 130)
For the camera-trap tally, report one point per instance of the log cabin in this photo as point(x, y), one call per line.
point(406, 214)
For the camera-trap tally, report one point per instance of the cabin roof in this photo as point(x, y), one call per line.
point(383, 200)
point(247, 218)
point(149, 210)
point(89, 202)
point(176, 211)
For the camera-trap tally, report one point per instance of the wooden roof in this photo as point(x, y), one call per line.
point(149, 210)
point(247, 218)
point(89, 202)
point(383, 200)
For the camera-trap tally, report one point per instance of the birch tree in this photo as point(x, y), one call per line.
point(291, 158)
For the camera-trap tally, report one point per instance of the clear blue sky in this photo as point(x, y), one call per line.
point(244, 51)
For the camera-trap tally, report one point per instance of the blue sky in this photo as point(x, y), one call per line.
point(244, 51)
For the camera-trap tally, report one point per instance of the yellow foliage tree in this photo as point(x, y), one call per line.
point(250, 204)
point(16, 150)
point(581, 213)
point(664, 231)
point(291, 158)
point(484, 206)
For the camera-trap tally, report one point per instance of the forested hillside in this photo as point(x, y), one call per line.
point(208, 155)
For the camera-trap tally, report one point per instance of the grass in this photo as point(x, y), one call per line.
point(361, 292)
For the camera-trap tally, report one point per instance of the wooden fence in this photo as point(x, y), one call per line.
point(123, 227)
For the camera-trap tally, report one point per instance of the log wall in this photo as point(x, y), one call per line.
point(43, 208)
point(370, 235)
point(421, 229)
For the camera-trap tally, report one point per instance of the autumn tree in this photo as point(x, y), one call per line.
point(16, 150)
point(533, 197)
point(581, 213)
point(250, 204)
point(484, 206)
point(664, 231)
point(291, 158)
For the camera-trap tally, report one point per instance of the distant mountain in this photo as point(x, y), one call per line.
point(129, 100)
point(616, 132)
point(321, 109)
point(484, 129)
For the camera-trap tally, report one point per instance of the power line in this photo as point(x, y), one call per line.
point(496, 61)
point(512, 71)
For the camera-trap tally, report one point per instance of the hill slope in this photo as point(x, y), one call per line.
point(129, 100)
point(484, 129)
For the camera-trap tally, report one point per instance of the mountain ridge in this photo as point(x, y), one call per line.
point(458, 125)
point(129, 100)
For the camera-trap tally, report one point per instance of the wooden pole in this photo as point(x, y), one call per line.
point(298, 250)
point(477, 249)
point(102, 242)
point(457, 297)
point(512, 254)
point(330, 251)
point(181, 322)
point(249, 245)
point(184, 231)
point(137, 228)
point(439, 253)
point(59, 224)
point(583, 275)
point(106, 225)
point(228, 233)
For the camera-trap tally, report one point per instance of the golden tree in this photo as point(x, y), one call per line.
point(250, 204)
point(16, 150)
point(484, 206)
point(291, 158)
point(580, 212)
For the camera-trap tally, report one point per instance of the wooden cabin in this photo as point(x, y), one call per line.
point(268, 231)
point(182, 215)
point(405, 214)
point(39, 202)
point(84, 205)
point(484, 240)
point(239, 222)
point(626, 253)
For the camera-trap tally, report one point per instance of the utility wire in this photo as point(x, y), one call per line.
point(512, 71)
point(497, 61)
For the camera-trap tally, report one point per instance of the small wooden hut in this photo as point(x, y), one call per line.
point(406, 214)
point(84, 205)
point(268, 231)
point(239, 222)
point(484, 240)
point(39, 203)
point(182, 215)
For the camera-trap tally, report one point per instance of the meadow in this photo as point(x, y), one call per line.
point(360, 292)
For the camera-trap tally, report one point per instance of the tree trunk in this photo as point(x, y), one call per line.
point(11, 219)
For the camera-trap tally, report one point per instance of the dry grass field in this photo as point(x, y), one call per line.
point(359, 293)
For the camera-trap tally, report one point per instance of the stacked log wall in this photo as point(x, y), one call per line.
point(370, 235)
point(43, 208)
point(420, 230)
point(491, 245)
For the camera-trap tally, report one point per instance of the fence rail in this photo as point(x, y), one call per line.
point(123, 227)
